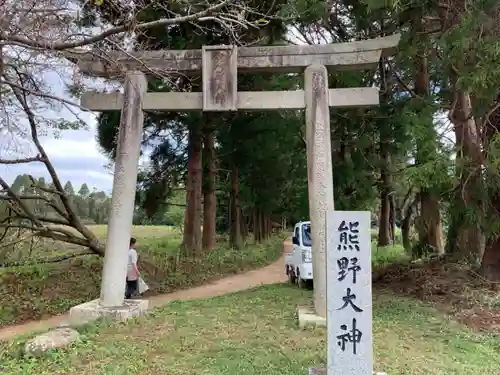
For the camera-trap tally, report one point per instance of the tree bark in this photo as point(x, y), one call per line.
point(191, 243)
point(406, 224)
point(235, 238)
point(490, 264)
point(262, 222)
point(384, 230)
point(392, 217)
point(465, 236)
point(466, 239)
point(257, 226)
point(209, 197)
point(244, 226)
point(430, 229)
point(267, 227)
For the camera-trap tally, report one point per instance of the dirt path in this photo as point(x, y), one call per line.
point(271, 274)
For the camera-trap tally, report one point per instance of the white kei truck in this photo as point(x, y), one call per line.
point(298, 257)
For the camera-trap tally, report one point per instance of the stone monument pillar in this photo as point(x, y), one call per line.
point(319, 174)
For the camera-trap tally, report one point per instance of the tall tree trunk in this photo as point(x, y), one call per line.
point(229, 213)
point(209, 197)
point(244, 226)
point(264, 226)
point(384, 230)
point(465, 235)
point(392, 217)
point(490, 264)
point(267, 227)
point(262, 222)
point(406, 224)
point(466, 239)
point(191, 244)
point(250, 224)
point(187, 232)
point(430, 231)
point(235, 238)
point(257, 225)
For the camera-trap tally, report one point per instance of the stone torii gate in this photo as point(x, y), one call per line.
point(219, 66)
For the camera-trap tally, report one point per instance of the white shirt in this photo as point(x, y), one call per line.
point(132, 259)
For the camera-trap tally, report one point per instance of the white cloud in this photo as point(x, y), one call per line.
point(74, 153)
point(65, 146)
point(76, 158)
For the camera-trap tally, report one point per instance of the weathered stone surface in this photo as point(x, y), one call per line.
point(319, 173)
point(124, 184)
point(256, 100)
point(57, 338)
point(219, 76)
point(357, 55)
point(307, 317)
point(322, 371)
point(349, 293)
point(93, 310)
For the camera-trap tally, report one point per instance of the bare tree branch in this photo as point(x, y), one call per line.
point(129, 26)
point(49, 260)
point(54, 228)
point(21, 161)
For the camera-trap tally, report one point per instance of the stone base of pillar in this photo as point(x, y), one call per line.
point(308, 317)
point(322, 371)
point(90, 311)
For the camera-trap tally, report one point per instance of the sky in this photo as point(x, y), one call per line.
point(75, 154)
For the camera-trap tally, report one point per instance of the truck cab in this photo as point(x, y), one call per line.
point(298, 262)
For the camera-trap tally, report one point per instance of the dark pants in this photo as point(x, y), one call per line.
point(132, 288)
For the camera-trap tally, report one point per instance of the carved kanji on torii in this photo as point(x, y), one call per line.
point(219, 67)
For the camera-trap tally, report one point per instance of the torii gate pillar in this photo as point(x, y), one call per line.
point(111, 303)
point(319, 173)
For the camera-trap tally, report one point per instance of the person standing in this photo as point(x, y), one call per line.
point(133, 273)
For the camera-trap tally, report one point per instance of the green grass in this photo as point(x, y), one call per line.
point(255, 332)
point(382, 256)
point(38, 291)
point(36, 249)
point(430, 342)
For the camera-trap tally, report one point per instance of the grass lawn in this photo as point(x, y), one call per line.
point(383, 256)
point(255, 332)
point(38, 291)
